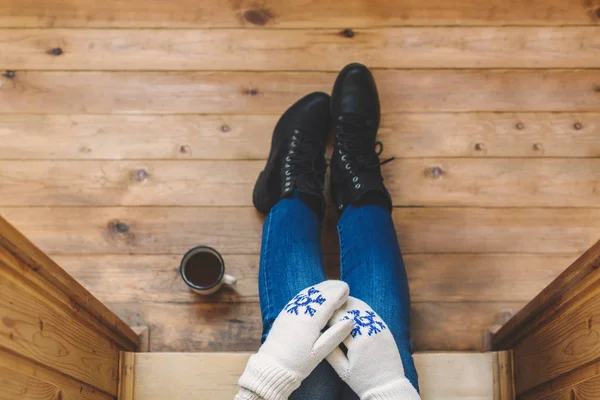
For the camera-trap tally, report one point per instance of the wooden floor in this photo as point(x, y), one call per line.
point(132, 131)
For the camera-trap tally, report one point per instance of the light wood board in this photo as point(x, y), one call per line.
point(193, 327)
point(212, 49)
point(237, 230)
point(449, 376)
point(247, 137)
point(184, 92)
point(296, 13)
point(432, 277)
point(428, 182)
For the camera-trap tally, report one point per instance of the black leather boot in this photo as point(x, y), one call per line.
point(297, 158)
point(355, 166)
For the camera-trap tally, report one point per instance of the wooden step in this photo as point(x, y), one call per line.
point(448, 376)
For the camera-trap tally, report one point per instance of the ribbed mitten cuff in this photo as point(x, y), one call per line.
point(398, 390)
point(267, 379)
point(245, 394)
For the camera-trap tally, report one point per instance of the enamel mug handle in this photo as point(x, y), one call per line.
point(230, 280)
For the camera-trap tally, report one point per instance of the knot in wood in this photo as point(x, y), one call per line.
point(436, 172)
point(348, 33)
point(57, 51)
point(258, 16)
point(140, 175)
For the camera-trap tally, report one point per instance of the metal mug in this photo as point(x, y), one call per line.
point(202, 268)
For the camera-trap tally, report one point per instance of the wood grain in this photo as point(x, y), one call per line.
point(450, 376)
point(31, 326)
point(586, 390)
point(296, 13)
point(411, 182)
point(49, 92)
point(17, 386)
point(504, 379)
point(580, 276)
point(247, 137)
point(559, 385)
point(234, 230)
point(560, 344)
point(126, 375)
point(25, 380)
point(24, 258)
point(237, 327)
point(432, 277)
point(211, 49)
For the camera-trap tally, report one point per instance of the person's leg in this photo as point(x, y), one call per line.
point(371, 264)
point(291, 260)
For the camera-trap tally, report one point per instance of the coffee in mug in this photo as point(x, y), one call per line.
point(203, 270)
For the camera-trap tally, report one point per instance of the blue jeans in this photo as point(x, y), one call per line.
point(371, 263)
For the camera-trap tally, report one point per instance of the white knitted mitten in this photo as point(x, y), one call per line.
point(295, 345)
point(372, 366)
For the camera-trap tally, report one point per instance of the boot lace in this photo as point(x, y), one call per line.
point(356, 149)
point(304, 159)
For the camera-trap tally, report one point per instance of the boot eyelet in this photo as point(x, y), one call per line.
point(287, 178)
point(355, 179)
point(340, 118)
point(341, 206)
point(287, 165)
point(344, 157)
point(287, 173)
point(296, 131)
point(291, 151)
point(293, 144)
point(357, 186)
point(288, 184)
point(347, 166)
point(294, 137)
point(288, 159)
point(340, 151)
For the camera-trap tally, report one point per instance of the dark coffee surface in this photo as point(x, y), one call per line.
point(203, 269)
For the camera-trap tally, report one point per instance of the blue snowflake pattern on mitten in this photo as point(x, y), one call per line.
point(367, 320)
point(304, 301)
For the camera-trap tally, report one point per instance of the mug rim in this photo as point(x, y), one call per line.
point(196, 250)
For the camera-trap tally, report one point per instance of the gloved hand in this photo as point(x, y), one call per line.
point(372, 366)
point(296, 344)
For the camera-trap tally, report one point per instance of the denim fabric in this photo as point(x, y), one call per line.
point(371, 263)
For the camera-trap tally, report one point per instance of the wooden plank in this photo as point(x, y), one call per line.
point(26, 380)
point(256, 92)
point(586, 390)
point(235, 230)
point(212, 49)
point(412, 182)
point(432, 277)
point(17, 386)
point(30, 137)
point(580, 275)
point(504, 380)
point(450, 376)
point(295, 13)
point(17, 252)
point(35, 328)
point(126, 375)
point(561, 344)
point(237, 327)
point(565, 381)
